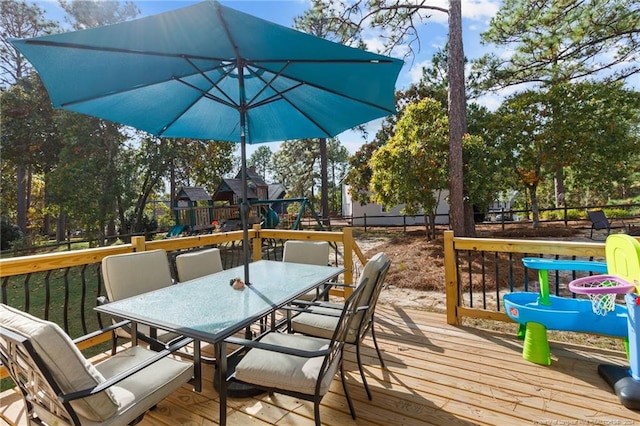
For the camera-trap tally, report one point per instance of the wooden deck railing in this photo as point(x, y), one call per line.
point(479, 271)
point(63, 287)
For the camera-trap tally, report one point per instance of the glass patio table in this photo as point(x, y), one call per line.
point(208, 309)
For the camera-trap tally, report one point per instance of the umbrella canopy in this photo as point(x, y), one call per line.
point(210, 72)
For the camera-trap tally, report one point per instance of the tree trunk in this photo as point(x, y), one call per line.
point(172, 186)
point(558, 181)
point(61, 231)
point(324, 184)
point(21, 196)
point(457, 122)
point(535, 213)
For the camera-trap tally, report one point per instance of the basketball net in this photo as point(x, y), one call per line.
point(602, 303)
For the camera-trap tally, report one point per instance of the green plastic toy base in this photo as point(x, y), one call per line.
point(536, 346)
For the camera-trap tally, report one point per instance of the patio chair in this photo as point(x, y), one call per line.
point(298, 365)
point(320, 319)
point(599, 221)
point(60, 386)
point(197, 264)
point(310, 253)
point(131, 274)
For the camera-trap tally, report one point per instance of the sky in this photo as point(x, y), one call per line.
point(476, 15)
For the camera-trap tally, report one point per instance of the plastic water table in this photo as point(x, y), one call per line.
point(538, 312)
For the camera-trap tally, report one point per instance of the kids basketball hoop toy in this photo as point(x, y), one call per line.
point(623, 261)
point(601, 290)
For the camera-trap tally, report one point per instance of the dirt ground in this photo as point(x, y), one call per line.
point(416, 277)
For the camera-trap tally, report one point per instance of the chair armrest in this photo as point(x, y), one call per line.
point(336, 313)
point(275, 348)
point(120, 377)
point(103, 300)
point(341, 285)
point(96, 333)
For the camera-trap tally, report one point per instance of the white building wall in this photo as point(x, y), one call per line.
point(376, 216)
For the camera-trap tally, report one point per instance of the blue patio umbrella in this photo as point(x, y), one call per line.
point(210, 72)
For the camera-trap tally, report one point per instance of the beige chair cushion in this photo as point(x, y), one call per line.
point(370, 273)
point(320, 325)
point(65, 362)
point(287, 372)
point(307, 252)
point(137, 393)
point(130, 274)
point(198, 264)
point(325, 325)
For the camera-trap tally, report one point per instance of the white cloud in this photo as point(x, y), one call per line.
point(480, 10)
point(415, 73)
point(475, 10)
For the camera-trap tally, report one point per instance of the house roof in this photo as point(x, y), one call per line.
point(276, 191)
point(235, 186)
point(253, 176)
point(193, 193)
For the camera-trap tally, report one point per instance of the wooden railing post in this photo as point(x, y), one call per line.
point(257, 243)
point(451, 279)
point(139, 243)
point(347, 243)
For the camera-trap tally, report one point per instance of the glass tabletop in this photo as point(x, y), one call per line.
point(209, 309)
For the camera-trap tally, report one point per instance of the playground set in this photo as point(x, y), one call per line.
point(599, 313)
point(197, 212)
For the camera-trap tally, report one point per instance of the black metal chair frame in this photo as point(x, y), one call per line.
point(333, 351)
point(366, 321)
point(17, 354)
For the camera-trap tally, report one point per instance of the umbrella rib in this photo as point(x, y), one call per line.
point(266, 85)
point(315, 86)
point(229, 101)
point(207, 94)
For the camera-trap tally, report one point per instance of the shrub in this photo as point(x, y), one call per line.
point(9, 233)
point(615, 213)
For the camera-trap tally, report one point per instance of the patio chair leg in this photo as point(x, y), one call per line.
point(375, 343)
point(114, 342)
point(364, 379)
point(346, 393)
point(316, 412)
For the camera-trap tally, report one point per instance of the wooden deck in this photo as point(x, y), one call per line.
point(436, 374)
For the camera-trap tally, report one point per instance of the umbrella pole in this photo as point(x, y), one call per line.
point(244, 209)
point(244, 206)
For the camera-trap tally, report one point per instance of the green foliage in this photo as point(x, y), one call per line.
point(198, 162)
point(92, 157)
point(18, 19)
point(297, 166)
point(147, 223)
point(9, 233)
point(559, 41)
point(260, 160)
point(432, 85)
point(294, 208)
point(412, 167)
point(568, 130)
point(613, 213)
point(572, 214)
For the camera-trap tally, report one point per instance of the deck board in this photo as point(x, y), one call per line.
point(435, 374)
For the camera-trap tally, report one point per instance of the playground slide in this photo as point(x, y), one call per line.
point(175, 230)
